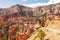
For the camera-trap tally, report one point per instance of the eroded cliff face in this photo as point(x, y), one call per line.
point(19, 9)
point(20, 21)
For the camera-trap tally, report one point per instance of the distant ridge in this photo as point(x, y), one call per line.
point(28, 11)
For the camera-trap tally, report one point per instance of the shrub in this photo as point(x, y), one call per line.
point(41, 35)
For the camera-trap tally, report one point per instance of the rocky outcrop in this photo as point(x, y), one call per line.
point(52, 31)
